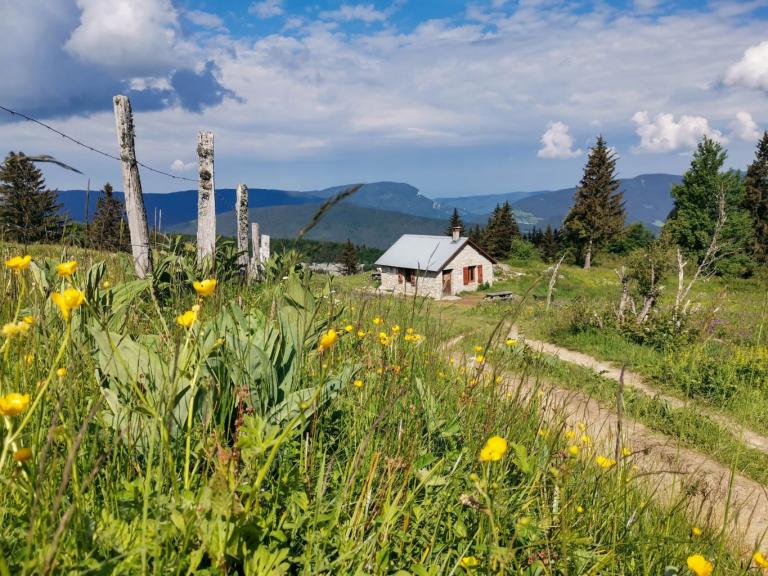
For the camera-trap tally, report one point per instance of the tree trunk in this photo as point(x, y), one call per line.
point(241, 211)
point(134, 200)
point(206, 200)
point(588, 257)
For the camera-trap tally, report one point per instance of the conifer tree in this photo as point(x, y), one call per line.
point(756, 199)
point(349, 260)
point(28, 210)
point(108, 230)
point(549, 245)
point(693, 219)
point(597, 215)
point(502, 228)
point(454, 222)
point(476, 235)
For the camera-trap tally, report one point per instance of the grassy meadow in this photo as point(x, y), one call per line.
point(306, 426)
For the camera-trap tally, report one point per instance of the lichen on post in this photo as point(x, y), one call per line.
point(206, 200)
point(241, 215)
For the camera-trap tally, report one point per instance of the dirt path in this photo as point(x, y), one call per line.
point(634, 380)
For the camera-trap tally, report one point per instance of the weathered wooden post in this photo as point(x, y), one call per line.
point(253, 267)
point(206, 199)
point(264, 252)
point(134, 200)
point(241, 213)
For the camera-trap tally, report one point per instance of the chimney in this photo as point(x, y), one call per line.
point(456, 233)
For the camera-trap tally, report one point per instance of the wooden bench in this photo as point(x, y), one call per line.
point(499, 295)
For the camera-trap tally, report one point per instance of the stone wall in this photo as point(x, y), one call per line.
point(427, 283)
point(468, 257)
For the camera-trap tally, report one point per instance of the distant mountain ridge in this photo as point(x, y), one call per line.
point(373, 213)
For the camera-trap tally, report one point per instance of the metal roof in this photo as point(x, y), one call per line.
point(419, 252)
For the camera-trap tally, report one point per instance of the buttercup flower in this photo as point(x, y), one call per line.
point(696, 531)
point(187, 319)
point(377, 320)
point(510, 342)
point(19, 263)
point(477, 349)
point(29, 358)
point(480, 359)
point(61, 372)
point(395, 329)
point(22, 455)
point(626, 452)
point(358, 383)
point(66, 269)
point(579, 509)
point(361, 333)
point(204, 288)
point(760, 560)
point(68, 300)
point(495, 447)
point(348, 328)
point(28, 320)
point(469, 562)
point(13, 404)
point(573, 450)
point(700, 565)
point(604, 462)
point(328, 339)
point(13, 329)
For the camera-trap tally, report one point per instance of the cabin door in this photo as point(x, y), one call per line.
point(447, 282)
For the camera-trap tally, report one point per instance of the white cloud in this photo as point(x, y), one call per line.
point(138, 37)
point(181, 166)
point(205, 19)
point(350, 12)
point(752, 70)
point(745, 128)
point(646, 5)
point(267, 8)
point(665, 134)
point(556, 142)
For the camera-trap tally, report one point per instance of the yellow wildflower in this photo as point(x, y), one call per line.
point(579, 509)
point(573, 450)
point(22, 455)
point(696, 531)
point(760, 560)
point(61, 372)
point(66, 269)
point(358, 383)
point(700, 565)
point(328, 339)
point(604, 462)
point(106, 285)
point(480, 359)
point(29, 358)
point(30, 320)
point(410, 331)
point(569, 434)
point(495, 447)
point(348, 328)
point(19, 263)
point(361, 333)
point(13, 404)
point(581, 426)
point(187, 319)
point(68, 300)
point(395, 329)
point(511, 342)
point(626, 452)
point(586, 440)
point(13, 329)
point(468, 562)
point(477, 349)
point(377, 320)
point(204, 288)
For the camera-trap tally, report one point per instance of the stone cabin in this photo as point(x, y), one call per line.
point(434, 266)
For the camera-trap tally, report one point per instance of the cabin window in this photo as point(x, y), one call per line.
point(470, 274)
point(407, 275)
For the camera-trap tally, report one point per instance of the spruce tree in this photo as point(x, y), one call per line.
point(756, 199)
point(597, 215)
point(455, 221)
point(502, 228)
point(476, 235)
point(108, 230)
point(28, 210)
point(549, 245)
point(693, 219)
point(349, 260)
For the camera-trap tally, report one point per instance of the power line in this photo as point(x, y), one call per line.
point(91, 148)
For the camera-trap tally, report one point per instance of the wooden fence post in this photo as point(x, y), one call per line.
point(134, 200)
point(241, 213)
point(264, 252)
point(253, 267)
point(206, 199)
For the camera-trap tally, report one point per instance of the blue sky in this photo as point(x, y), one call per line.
point(455, 97)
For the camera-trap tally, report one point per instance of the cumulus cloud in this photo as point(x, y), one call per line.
point(138, 37)
point(745, 128)
point(556, 142)
point(350, 12)
point(205, 19)
point(181, 166)
point(752, 70)
point(267, 8)
point(663, 133)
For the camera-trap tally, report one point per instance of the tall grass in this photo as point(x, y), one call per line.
point(255, 442)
